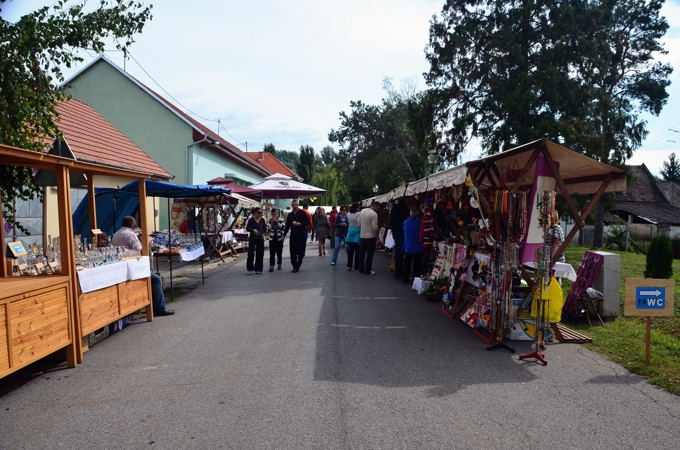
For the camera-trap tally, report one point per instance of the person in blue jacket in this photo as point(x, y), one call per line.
point(413, 246)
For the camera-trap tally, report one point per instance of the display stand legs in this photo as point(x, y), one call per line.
point(500, 344)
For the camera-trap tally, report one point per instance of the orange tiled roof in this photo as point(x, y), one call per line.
point(92, 138)
point(271, 163)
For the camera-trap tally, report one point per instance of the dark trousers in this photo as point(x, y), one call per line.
point(275, 252)
point(398, 254)
point(298, 243)
point(413, 266)
point(352, 254)
point(366, 257)
point(255, 260)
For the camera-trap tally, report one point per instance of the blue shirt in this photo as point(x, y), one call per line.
point(412, 236)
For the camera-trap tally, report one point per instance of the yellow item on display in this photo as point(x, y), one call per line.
point(554, 297)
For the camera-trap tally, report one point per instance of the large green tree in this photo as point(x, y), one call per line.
point(383, 146)
point(578, 72)
point(34, 51)
point(307, 163)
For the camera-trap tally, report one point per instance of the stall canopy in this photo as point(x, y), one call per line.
point(235, 187)
point(515, 168)
point(278, 186)
point(113, 204)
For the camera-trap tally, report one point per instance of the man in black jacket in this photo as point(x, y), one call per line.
point(297, 222)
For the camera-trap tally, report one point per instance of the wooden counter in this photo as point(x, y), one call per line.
point(35, 319)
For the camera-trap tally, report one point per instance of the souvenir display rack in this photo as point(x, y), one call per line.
point(477, 219)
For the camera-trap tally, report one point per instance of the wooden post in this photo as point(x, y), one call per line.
point(74, 352)
point(92, 202)
point(3, 257)
point(648, 339)
point(146, 248)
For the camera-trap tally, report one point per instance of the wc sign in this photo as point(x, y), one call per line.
point(649, 297)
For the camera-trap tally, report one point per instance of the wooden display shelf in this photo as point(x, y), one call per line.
point(35, 319)
point(104, 306)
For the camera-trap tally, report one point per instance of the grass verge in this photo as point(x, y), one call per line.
point(622, 339)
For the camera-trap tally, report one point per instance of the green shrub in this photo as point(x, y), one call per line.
point(659, 258)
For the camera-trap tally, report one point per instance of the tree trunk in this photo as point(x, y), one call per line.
point(598, 237)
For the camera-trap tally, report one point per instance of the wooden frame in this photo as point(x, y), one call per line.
point(43, 314)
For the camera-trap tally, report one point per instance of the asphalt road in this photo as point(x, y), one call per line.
point(328, 359)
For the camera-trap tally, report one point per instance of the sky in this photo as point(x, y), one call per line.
point(281, 71)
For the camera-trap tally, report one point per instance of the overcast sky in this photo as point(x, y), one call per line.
point(280, 71)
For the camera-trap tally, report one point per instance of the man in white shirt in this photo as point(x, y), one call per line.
point(126, 237)
point(368, 226)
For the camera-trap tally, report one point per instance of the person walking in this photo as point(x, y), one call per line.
point(256, 227)
point(398, 215)
point(276, 229)
point(368, 226)
point(353, 238)
point(332, 217)
point(412, 246)
point(297, 222)
point(341, 227)
point(321, 227)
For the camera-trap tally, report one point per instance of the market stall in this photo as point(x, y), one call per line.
point(41, 311)
point(485, 229)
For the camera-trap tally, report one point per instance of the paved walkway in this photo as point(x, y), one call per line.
point(328, 359)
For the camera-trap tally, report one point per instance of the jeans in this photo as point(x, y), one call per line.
point(366, 257)
point(157, 295)
point(275, 252)
point(337, 241)
point(353, 252)
point(255, 255)
point(298, 243)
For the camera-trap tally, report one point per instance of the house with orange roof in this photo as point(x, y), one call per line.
point(188, 150)
point(87, 137)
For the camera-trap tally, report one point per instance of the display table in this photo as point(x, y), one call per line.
point(112, 291)
point(186, 253)
point(35, 319)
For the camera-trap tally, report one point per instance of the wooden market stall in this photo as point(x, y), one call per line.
point(48, 311)
point(486, 226)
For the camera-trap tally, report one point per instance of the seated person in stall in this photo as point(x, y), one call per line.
point(126, 237)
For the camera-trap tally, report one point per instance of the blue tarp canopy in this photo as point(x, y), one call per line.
point(114, 204)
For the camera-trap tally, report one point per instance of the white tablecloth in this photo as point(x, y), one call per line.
point(562, 270)
point(192, 252)
point(226, 236)
point(114, 273)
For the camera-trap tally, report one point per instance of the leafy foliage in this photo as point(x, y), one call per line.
point(508, 72)
point(269, 148)
point(671, 169)
point(659, 258)
point(307, 162)
point(383, 146)
point(33, 53)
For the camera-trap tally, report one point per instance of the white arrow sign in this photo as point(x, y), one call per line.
point(654, 293)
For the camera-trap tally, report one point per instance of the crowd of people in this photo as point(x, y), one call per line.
point(356, 230)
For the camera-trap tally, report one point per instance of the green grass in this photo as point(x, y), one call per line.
point(622, 339)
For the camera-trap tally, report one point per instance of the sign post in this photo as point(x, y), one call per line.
point(649, 297)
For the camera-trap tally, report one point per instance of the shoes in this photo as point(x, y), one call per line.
point(295, 270)
point(271, 268)
point(165, 312)
point(332, 263)
point(250, 272)
point(257, 273)
point(278, 267)
point(370, 273)
point(350, 269)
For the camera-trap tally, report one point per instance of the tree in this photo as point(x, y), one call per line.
point(578, 73)
point(383, 146)
point(331, 179)
point(671, 169)
point(33, 53)
point(269, 148)
point(306, 164)
point(288, 158)
point(328, 156)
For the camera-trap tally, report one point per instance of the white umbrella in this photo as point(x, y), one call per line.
point(283, 186)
